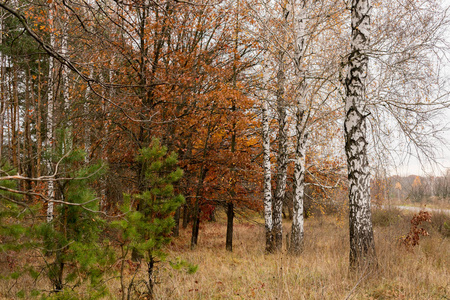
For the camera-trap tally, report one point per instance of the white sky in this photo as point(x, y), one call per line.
point(413, 166)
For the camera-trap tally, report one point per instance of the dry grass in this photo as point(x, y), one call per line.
point(321, 272)
point(429, 202)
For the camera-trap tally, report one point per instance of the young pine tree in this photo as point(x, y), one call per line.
point(74, 257)
point(147, 226)
point(71, 243)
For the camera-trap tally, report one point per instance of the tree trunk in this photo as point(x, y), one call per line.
point(176, 228)
point(201, 178)
point(297, 232)
point(87, 129)
point(282, 160)
point(186, 214)
point(230, 218)
point(230, 204)
point(67, 143)
point(151, 281)
point(267, 179)
point(49, 142)
point(196, 223)
point(14, 121)
point(38, 122)
point(28, 151)
point(2, 87)
point(362, 247)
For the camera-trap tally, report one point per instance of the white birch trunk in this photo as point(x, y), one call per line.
point(105, 156)
point(297, 232)
point(282, 158)
point(2, 87)
point(87, 138)
point(267, 178)
point(64, 74)
point(362, 247)
point(50, 104)
point(67, 143)
point(282, 161)
point(299, 18)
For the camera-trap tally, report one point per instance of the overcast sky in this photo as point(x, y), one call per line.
point(412, 166)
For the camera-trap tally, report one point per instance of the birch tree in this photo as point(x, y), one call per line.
point(407, 88)
point(2, 84)
point(282, 157)
point(298, 9)
point(362, 246)
point(285, 30)
point(267, 177)
point(50, 125)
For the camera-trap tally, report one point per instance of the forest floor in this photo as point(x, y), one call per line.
point(320, 272)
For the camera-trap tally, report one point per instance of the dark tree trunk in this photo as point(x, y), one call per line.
point(186, 215)
point(213, 215)
point(151, 282)
point(230, 218)
point(201, 178)
point(195, 225)
point(176, 228)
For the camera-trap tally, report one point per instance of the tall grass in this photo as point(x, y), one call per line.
point(320, 272)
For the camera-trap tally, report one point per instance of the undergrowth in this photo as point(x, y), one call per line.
point(320, 272)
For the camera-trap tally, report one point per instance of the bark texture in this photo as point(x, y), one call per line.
point(282, 161)
point(362, 247)
point(297, 232)
point(267, 178)
point(299, 17)
point(51, 187)
point(282, 157)
point(2, 89)
point(87, 138)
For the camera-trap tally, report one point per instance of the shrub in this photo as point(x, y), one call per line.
point(413, 237)
point(386, 217)
point(441, 223)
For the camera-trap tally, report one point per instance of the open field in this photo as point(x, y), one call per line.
point(321, 272)
point(428, 202)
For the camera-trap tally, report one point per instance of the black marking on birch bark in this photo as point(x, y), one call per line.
point(362, 250)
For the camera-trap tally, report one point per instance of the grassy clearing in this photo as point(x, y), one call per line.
point(321, 272)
